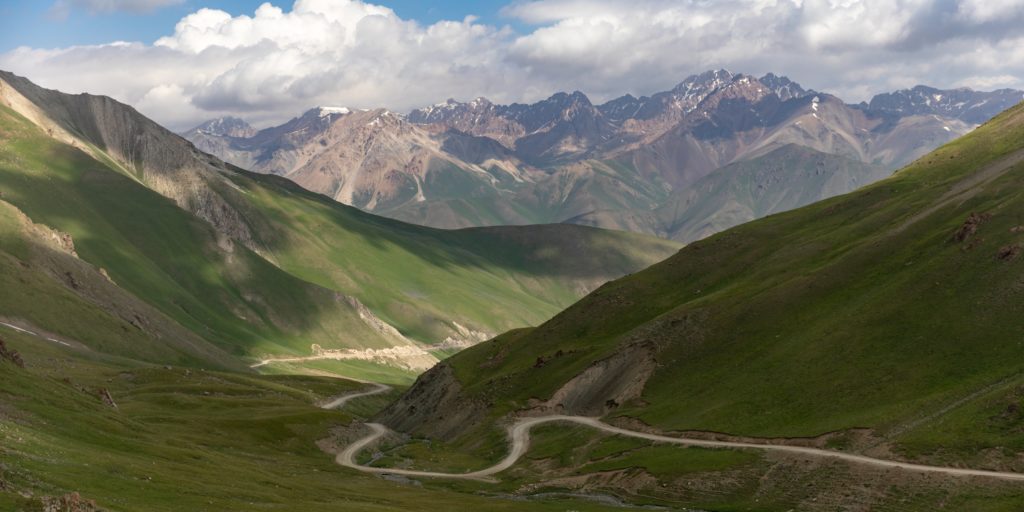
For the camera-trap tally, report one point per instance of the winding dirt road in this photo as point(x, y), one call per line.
point(339, 401)
point(519, 434)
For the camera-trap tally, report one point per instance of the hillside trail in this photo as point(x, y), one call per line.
point(32, 333)
point(967, 187)
point(339, 401)
point(519, 437)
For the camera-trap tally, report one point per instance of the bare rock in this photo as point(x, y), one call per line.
point(1009, 252)
point(970, 226)
point(435, 406)
point(11, 355)
point(71, 502)
point(108, 400)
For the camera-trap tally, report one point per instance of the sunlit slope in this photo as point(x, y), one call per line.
point(150, 248)
point(421, 279)
point(895, 308)
point(309, 269)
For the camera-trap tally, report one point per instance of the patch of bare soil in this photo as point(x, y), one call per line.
point(970, 226)
point(71, 502)
point(1009, 252)
point(11, 355)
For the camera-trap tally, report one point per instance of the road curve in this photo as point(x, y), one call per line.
point(519, 435)
point(339, 401)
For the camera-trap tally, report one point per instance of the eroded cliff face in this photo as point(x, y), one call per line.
point(437, 406)
point(111, 131)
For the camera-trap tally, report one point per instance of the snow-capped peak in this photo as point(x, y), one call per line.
point(330, 111)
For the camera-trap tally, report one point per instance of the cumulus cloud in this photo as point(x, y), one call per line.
point(278, 61)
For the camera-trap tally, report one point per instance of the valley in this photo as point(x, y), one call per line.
point(734, 295)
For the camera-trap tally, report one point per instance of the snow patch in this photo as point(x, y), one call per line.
point(331, 111)
point(814, 104)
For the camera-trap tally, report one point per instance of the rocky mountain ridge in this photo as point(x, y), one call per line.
point(564, 159)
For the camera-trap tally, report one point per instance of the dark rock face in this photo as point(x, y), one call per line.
point(10, 355)
point(167, 163)
point(434, 406)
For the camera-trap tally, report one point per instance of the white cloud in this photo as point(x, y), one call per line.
point(276, 62)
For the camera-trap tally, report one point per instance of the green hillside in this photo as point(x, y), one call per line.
point(139, 279)
point(187, 439)
point(889, 318)
point(258, 266)
point(162, 255)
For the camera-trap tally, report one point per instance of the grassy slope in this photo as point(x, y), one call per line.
point(186, 440)
point(821, 319)
point(163, 255)
point(420, 279)
point(180, 439)
point(35, 279)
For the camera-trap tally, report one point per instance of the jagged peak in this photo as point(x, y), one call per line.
point(712, 77)
point(568, 98)
point(226, 125)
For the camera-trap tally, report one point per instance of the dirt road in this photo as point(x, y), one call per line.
point(519, 435)
point(340, 401)
point(30, 333)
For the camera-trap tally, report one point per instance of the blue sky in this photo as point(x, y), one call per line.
point(32, 22)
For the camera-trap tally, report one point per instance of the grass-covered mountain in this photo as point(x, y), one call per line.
point(140, 278)
point(885, 322)
point(255, 265)
point(621, 164)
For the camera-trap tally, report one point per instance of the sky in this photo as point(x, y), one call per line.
point(184, 61)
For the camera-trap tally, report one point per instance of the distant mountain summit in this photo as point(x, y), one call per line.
point(621, 164)
point(225, 127)
point(967, 105)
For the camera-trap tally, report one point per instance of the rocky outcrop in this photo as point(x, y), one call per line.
point(71, 502)
point(605, 385)
point(10, 355)
point(142, 149)
point(435, 406)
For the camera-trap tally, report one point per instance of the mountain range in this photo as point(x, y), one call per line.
point(668, 164)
